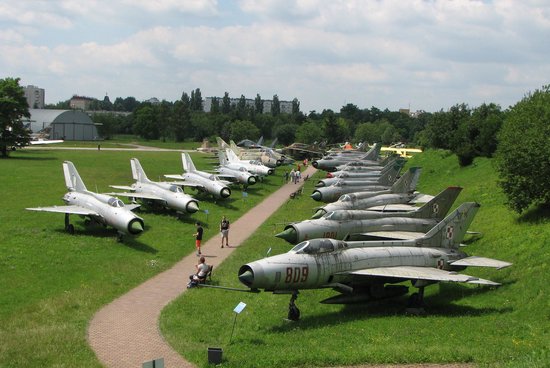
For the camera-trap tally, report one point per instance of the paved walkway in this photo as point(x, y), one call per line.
point(125, 333)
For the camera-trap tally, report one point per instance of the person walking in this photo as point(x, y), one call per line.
point(198, 237)
point(224, 229)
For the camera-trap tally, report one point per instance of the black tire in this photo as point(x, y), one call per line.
point(70, 229)
point(293, 313)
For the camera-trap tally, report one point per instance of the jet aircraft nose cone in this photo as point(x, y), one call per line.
point(246, 277)
point(192, 207)
point(135, 226)
point(320, 212)
point(225, 192)
point(320, 184)
point(316, 195)
point(270, 172)
point(289, 235)
point(315, 164)
point(251, 180)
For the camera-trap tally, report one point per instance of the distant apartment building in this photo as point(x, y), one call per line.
point(286, 106)
point(80, 102)
point(34, 96)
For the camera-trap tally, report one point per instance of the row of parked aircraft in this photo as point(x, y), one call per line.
point(372, 239)
point(108, 210)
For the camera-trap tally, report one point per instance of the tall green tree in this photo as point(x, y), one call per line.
point(275, 106)
point(226, 103)
point(145, 125)
point(13, 108)
point(258, 104)
point(286, 133)
point(522, 155)
point(244, 129)
point(309, 133)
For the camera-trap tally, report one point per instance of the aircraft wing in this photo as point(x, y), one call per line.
point(481, 262)
point(46, 141)
point(422, 198)
point(137, 195)
point(122, 187)
point(73, 210)
point(422, 273)
point(185, 183)
point(397, 235)
point(393, 208)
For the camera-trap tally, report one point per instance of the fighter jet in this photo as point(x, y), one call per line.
point(401, 192)
point(367, 270)
point(266, 156)
point(360, 224)
point(253, 167)
point(333, 192)
point(168, 195)
point(329, 163)
point(99, 208)
point(234, 172)
point(358, 176)
point(201, 180)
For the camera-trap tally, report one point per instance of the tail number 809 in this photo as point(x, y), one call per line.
point(296, 274)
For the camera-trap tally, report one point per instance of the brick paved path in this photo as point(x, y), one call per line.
point(125, 333)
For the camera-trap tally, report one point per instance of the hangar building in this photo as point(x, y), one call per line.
point(70, 125)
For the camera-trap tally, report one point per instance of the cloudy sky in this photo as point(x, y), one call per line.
point(393, 54)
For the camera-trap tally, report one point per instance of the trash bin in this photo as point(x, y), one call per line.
point(215, 355)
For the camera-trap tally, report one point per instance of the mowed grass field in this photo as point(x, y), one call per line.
point(508, 326)
point(52, 283)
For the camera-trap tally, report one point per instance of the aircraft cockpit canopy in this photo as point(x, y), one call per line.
point(175, 189)
point(115, 202)
point(337, 216)
point(317, 246)
point(345, 198)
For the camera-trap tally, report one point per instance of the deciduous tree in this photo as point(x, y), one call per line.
point(13, 108)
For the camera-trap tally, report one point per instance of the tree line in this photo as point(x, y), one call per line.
point(519, 136)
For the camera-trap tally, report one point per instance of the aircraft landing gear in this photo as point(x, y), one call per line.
point(68, 226)
point(120, 237)
point(293, 311)
point(416, 304)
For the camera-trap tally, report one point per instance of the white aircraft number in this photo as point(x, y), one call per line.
point(296, 274)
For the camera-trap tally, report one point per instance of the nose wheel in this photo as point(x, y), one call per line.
point(68, 226)
point(293, 311)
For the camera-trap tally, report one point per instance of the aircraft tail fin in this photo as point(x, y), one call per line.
point(221, 143)
point(231, 156)
point(408, 181)
point(273, 143)
point(188, 165)
point(374, 152)
point(222, 157)
point(137, 171)
point(438, 207)
point(388, 177)
point(260, 141)
point(73, 181)
point(451, 230)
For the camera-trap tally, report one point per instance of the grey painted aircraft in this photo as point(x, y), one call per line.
point(252, 166)
point(99, 208)
point(201, 180)
point(233, 172)
point(329, 163)
point(401, 192)
point(368, 270)
point(358, 176)
point(360, 224)
point(168, 195)
point(333, 192)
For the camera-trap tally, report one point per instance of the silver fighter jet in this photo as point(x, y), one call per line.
point(100, 208)
point(201, 180)
point(168, 195)
point(358, 224)
point(368, 270)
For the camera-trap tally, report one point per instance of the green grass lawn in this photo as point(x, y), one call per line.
point(52, 283)
point(507, 326)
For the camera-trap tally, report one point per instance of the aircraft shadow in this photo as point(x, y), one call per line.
point(32, 158)
point(439, 304)
point(101, 232)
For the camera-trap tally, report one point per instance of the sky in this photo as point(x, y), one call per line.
point(423, 55)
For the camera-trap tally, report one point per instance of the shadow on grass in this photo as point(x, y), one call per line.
point(29, 158)
point(439, 304)
point(537, 215)
point(102, 232)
